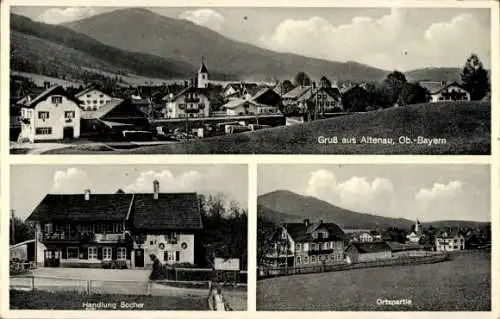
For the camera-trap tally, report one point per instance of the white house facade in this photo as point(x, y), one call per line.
point(450, 242)
point(191, 102)
point(53, 115)
point(92, 99)
point(443, 91)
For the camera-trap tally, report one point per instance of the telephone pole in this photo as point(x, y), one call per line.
point(13, 226)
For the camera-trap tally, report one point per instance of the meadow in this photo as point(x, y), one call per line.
point(460, 284)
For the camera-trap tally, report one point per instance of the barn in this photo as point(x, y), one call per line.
point(24, 251)
point(369, 251)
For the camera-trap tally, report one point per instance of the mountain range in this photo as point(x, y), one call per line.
point(283, 206)
point(138, 41)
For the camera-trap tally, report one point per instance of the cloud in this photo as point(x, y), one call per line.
point(71, 180)
point(186, 182)
point(357, 193)
point(380, 42)
point(62, 15)
point(438, 190)
point(205, 17)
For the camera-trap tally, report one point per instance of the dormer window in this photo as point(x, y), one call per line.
point(56, 99)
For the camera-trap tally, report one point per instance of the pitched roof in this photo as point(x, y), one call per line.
point(89, 89)
point(396, 246)
point(371, 247)
point(189, 89)
point(56, 89)
point(297, 92)
point(299, 232)
point(436, 87)
point(103, 110)
point(31, 93)
point(169, 211)
point(74, 207)
point(203, 68)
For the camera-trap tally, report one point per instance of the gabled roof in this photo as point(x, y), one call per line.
point(396, 246)
point(103, 110)
point(436, 87)
point(169, 211)
point(297, 92)
point(32, 93)
point(300, 233)
point(89, 89)
point(203, 68)
point(54, 90)
point(190, 89)
point(74, 207)
point(371, 247)
point(281, 89)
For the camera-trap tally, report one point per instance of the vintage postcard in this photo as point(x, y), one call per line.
point(250, 80)
point(361, 238)
point(128, 237)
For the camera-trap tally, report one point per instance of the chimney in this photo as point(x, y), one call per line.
point(443, 82)
point(321, 221)
point(156, 189)
point(306, 222)
point(87, 194)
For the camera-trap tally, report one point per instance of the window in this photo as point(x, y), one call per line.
point(332, 256)
point(298, 260)
point(339, 256)
point(69, 114)
point(297, 247)
point(43, 131)
point(122, 253)
point(94, 101)
point(88, 102)
point(43, 115)
point(306, 246)
point(73, 252)
point(101, 102)
point(92, 253)
point(88, 95)
point(320, 235)
point(306, 260)
point(106, 253)
point(48, 228)
point(89, 108)
point(313, 259)
point(325, 246)
point(332, 245)
point(171, 256)
point(56, 99)
point(101, 95)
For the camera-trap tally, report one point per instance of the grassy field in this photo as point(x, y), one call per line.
point(465, 126)
point(462, 284)
point(74, 300)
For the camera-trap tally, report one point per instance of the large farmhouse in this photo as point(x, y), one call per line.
point(307, 244)
point(87, 230)
point(92, 99)
point(444, 91)
point(52, 115)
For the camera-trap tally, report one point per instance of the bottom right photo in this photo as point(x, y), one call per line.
point(374, 237)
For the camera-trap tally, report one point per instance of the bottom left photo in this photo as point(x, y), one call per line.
point(128, 237)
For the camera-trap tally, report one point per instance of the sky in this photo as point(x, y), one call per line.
point(387, 38)
point(231, 180)
point(425, 192)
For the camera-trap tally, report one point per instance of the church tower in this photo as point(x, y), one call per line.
point(202, 75)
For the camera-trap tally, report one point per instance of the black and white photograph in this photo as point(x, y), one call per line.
point(250, 80)
point(374, 237)
point(128, 237)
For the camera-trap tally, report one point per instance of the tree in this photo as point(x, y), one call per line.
point(265, 230)
point(393, 85)
point(302, 79)
point(22, 231)
point(413, 93)
point(356, 99)
point(475, 78)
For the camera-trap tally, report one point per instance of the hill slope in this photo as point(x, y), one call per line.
point(47, 49)
point(296, 208)
point(466, 126)
point(140, 30)
point(284, 206)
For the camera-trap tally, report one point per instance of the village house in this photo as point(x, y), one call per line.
point(444, 91)
point(323, 98)
point(92, 230)
point(265, 101)
point(450, 241)
point(368, 251)
point(113, 118)
point(239, 90)
point(92, 99)
point(193, 101)
point(307, 244)
point(52, 115)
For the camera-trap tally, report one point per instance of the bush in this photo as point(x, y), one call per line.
point(114, 264)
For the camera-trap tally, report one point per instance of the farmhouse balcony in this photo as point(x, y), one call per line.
point(192, 99)
point(60, 237)
point(83, 237)
point(320, 252)
point(281, 253)
point(109, 238)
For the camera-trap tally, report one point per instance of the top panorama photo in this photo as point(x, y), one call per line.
point(283, 80)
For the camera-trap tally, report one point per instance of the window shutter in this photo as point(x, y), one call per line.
point(177, 256)
point(99, 253)
point(114, 253)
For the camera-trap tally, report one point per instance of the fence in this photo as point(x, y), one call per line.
point(238, 277)
point(399, 261)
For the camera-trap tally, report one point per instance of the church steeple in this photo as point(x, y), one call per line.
point(202, 75)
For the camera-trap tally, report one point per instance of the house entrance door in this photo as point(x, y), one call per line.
point(52, 258)
point(68, 132)
point(139, 257)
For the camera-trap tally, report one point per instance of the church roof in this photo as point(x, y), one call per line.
point(203, 68)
